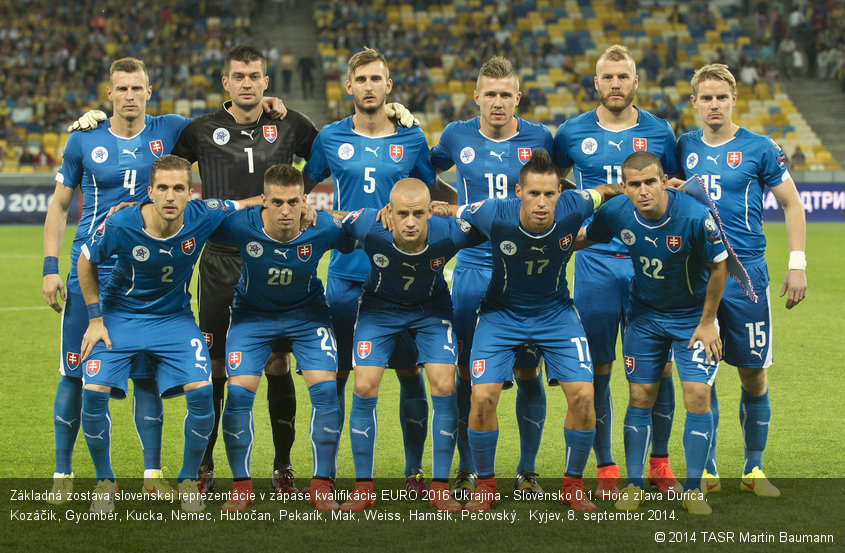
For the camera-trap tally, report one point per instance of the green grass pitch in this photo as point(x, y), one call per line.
point(805, 439)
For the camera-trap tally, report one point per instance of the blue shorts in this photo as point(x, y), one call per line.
point(649, 344)
point(468, 286)
point(74, 325)
point(747, 326)
point(601, 289)
point(174, 343)
point(252, 334)
point(342, 297)
point(555, 331)
point(380, 323)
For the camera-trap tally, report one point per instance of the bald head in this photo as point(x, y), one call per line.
point(407, 189)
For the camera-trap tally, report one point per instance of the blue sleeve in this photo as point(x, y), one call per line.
point(423, 169)
point(464, 235)
point(217, 210)
point(772, 167)
point(669, 158)
point(336, 237)
point(103, 243)
point(228, 231)
point(713, 247)
point(71, 169)
point(317, 167)
point(440, 157)
point(581, 200)
point(561, 154)
point(480, 214)
point(548, 142)
point(599, 229)
point(358, 223)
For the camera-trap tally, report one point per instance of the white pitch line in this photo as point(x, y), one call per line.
point(28, 308)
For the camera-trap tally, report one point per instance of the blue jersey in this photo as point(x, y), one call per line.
point(486, 168)
point(151, 275)
point(279, 276)
point(595, 154)
point(365, 170)
point(110, 170)
point(405, 278)
point(735, 174)
point(529, 270)
point(670, 254)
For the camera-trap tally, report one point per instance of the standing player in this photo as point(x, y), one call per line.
point(679, 278)
point(489, 151)
point(145, 309)
point(110, 165)
point(366, 154)
point(527, 301)
point(280, 296)
point(405, 290)
point(594, 145)
point(234, 147)
point(736, 165)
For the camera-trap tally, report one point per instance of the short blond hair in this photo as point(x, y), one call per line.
point(496, 67)
point(713, 72)
point(364, 57)
point(128, 65)
point(616, 52)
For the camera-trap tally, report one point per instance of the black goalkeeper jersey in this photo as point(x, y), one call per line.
point(233, 157)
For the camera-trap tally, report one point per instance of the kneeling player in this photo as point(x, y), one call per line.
point(146, 310)
point(680, 270)
point(405, 290)
point(280, 296)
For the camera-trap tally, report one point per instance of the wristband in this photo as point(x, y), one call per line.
point(51, 265)
point(94, 310)
point(797, 261)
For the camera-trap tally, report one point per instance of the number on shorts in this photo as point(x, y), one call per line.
point(756, 334)
point(197, 343)
point(582, 350)
point(448, 324)
point(328, 342)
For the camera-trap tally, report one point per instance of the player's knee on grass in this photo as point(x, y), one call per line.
point(277, 364)
point(753, 381)
point(696, 397)
point(97, 387)
point(483, 402)
point(367, 380)
point(580, 399)
point(317, 376)
point(248, 381)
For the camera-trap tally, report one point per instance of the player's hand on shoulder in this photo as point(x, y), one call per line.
point(96, 332)
point(274, 107)
point(89, 121)
point(794, 287)
point(708, 335)
point(437, 207)
point(50, 288)
point(115, 208)
point(401, 114)
point(308, 217)
point(383, 215)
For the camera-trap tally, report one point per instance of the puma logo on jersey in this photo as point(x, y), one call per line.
point(497, 156)
point(541, 249)
point(450, 349)
point(374, 152)
point(168, 252)
point(132, 153)
point(652, 240)
point(332, 355)
point(201, 366)
point(705, 368)
point(617, 144)
point(586, 366)
point(413, 267)
point(757, 353)
point(283, 253)
point(248, 133)
point(714, 159)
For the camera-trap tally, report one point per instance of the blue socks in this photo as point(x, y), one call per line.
point(413, 418)
point(483, 445)
point(698, 433)
point(363, 424)
point(148, 413)
point(662, 414)
point(604, 420)
point(755, 412)
point(67, 414)
point(444, 431)
point(530, 417)
point(637, 437)
point(325, 427)
point(578, 444)
point(238, 432)
point(464, 392)
point(714, 410)
point(199, 423)
point(96, 427)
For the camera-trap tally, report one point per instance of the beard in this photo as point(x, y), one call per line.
point(368, 109)
point(615, 105)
